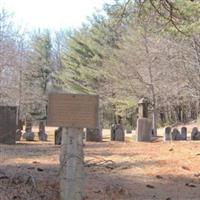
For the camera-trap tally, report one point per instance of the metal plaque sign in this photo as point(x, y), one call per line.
point(72, 110)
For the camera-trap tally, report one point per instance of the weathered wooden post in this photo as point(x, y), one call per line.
point(72, 113)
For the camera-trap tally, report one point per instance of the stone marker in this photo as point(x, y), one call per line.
point(94, 135)
point(143, 108)
point(195, 135)
point(28, 135)
point(167, 135)
point(144, 130)
point(18, 135)
point(117, 130)
point(112, 135)
point(119, 133)
point(58, 136)
point(176, 134)
point(41, 134)
point(183, 133)
point(8, 116)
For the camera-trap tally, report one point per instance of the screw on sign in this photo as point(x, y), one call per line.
point(72, 112)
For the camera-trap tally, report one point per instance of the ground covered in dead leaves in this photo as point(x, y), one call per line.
point(113, 170)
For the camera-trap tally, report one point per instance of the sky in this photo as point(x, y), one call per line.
point(53, 14)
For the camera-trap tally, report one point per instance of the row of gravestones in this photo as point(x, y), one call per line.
point(175, 134)
point(117, 134)
point(29, 135)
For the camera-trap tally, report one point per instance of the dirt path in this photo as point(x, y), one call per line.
point(114, 170)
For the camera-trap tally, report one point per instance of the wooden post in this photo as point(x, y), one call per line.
point(71, 164)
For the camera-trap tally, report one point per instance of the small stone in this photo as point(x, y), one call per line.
point(97, 191)
point(159, 177)
point(190, 185)
point(35, 162)
point(150, 186)
point(185, 168)
point(40, 169)
point(197, 175)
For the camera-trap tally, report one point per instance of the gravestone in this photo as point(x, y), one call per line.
point(143, 108)
point(195, 135)
point(41, 134)
point(8, 116)
point(167, 135)
point(176, 134)
point(117, 130)
point(113, 128)
point(183, 133)
point(144, 129)
point(58, 136)
point(94, 135)
point(18, 135)
point(119, 133)
point(28, 135)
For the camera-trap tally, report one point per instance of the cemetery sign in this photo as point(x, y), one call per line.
point(72, 110)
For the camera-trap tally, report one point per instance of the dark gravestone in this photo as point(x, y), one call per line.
point(167, 135)
point(58, 136)
point(41, 134)
point(119, 133)
point(8, 124)
point(113, 128)
point(93, 135)
point(183, 133)
point(176, 134)
point(195, 135)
